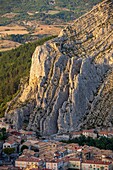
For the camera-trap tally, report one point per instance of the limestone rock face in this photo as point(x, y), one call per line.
point(71, 78)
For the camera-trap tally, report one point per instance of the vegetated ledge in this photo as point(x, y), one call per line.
point(101, 143)
point(14, 71)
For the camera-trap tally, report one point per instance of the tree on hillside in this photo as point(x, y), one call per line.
point(8, 151)
point(3, 134)
point(24, 147)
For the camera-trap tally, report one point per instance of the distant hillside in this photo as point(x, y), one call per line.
point(21, 5)
point(67, 9)
point(25, 5)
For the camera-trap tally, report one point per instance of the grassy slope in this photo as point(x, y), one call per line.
point(23, 6)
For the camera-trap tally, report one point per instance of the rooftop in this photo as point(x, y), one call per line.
point(96, 162)
point(10, 142)
point(88, 131)
point(28, 159)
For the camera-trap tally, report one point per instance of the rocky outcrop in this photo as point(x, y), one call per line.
point(70, 83)
point(101, 112)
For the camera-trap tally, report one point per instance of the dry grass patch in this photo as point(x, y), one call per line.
point(47, 29)
point(8, 45)
point(8, 30)
point(10, 15)
point(52, 12)
point(30, 13)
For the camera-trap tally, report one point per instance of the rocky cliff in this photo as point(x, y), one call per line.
point(71, 78)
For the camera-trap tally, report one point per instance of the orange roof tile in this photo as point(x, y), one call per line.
point(89, 131)
point(76, 133)
point(103, 132)
point(96, 162)
point(29, 159)
point(55, 161)
point(74, 159)
point(10, 142)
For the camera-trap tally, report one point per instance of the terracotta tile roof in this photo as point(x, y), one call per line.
point(76, 133)
point(103, 132)
point(55, 161)
point(9, 167)
point(29, 133)
point(85, 151)
point(96, 162)
point(88, 131)
point(74, 159)
point(4, 167)
point(26, 132)
point(28, 159)
point(10, 142)
point(110, 133)
point(15, 133)
point(40, 169)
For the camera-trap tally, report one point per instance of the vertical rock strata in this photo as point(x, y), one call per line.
point(70, 85)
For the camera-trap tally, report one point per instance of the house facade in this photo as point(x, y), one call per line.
point(103, 134)
point(89, 133)
point(76, 134)
point(74, 163)
point(10, 144)
point(96, 165)
point(55, 164)
point(23, 162)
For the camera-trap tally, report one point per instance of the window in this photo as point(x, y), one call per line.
point(90, 166)
point(48, 166)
